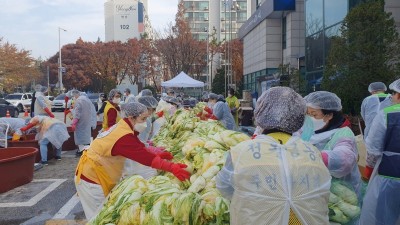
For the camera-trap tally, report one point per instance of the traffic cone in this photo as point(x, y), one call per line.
point(8, 114)
point(26, 114)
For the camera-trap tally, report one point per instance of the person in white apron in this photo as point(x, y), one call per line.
point(275, 178)
point(382, 199)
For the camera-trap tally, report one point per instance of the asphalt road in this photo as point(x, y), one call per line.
point(49, 199)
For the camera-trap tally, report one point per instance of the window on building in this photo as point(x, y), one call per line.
point(334, 12)
point(284, 33)
point(314, 16)
point(315, 52)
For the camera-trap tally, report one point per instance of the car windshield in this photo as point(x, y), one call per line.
point(13, 97)
point(60, 97)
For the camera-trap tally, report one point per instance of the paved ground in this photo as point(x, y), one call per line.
point(49, 199)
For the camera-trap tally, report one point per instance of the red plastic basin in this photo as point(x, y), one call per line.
point(34, 144)
point(95, 132)
point(16, 167)
point(69, 144)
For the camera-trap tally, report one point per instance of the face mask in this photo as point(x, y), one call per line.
point(116, 100)
point(318, 123)
point(140, 127)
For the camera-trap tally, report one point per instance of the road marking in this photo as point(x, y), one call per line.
point(67, 208)
point(39, 196)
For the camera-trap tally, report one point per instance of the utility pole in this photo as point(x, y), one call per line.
point(60, 68)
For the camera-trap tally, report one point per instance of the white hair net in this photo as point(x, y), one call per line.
point(75, 92)
point(280, 108)
point(213, 96)
point(40, 88)
point(221, 97)
point(395, 86)
point(173, 101)
point(323, 100)
point(146, 92)
point(377, 86)
point(112, 94)
point(166, 98)
point(148, 101)
point(129, 100)
point(133, 109)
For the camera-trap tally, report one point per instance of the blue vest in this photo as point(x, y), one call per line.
point(390, 164)
point(382, 96)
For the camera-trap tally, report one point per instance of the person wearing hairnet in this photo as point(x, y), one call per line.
point(382, 200)
point(103, 102)
point(174, 105)
point(101, 165)
point(42, 104)
point(13, 124)
point(50, 130)
point(111, 110)
point(193, 102)
point(84, 120)
point(329, 131)
point(171, 93)
point(186, 104)
point(144, 92)
point(233, 104)
point(272, 178)
point(221, 111)
point(128, 95)
point(370, 105)
point(133, 167)
point(204, 96)
point(159, 119)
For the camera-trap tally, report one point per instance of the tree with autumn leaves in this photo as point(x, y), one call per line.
point(17, 68)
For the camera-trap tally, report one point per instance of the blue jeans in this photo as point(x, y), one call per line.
point(43, 149)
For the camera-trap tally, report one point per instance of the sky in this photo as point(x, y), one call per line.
point(33, 24)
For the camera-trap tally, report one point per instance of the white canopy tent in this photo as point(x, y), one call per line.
point(182, 80)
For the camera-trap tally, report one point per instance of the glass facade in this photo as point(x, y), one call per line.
point(323, 21)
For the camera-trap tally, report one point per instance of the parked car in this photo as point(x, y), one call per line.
point(94, 97)
point(51, 98)
point(58, 103)
point(20, 100)
point(6, 105)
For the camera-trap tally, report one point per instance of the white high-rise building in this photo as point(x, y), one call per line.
point(124, 19)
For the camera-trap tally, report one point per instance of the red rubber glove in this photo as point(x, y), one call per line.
point(66, 111)
point(207, 109)
point(175, 168)
point(160, 114)
point(27, 127)
point(159, 151)
point(47, 110)
point(368, 172)
point(73, 125)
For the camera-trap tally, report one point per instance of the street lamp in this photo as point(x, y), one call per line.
point(60, 68)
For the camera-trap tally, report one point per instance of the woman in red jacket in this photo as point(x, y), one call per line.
point(100, 166)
